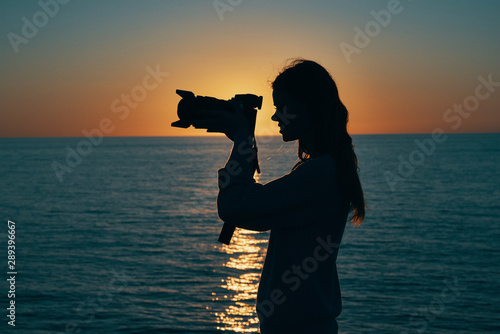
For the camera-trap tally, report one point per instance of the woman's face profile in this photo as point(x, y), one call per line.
point(290, 114)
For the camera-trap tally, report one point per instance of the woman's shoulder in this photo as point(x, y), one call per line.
point(325, 160)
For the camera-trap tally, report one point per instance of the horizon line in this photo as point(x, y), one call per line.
point(223, 136)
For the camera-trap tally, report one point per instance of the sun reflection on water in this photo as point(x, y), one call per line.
point(247, 255)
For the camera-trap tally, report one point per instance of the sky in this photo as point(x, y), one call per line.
point(74, 67)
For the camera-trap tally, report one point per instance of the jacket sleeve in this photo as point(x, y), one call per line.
point(291, 201)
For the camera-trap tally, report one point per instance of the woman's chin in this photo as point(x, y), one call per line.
point(286, 138)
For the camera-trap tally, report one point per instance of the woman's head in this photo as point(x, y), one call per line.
point(308, 89)
point(308, 108)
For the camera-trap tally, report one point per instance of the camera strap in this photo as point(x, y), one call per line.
point(256, 160)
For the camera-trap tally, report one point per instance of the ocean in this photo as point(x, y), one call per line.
point(120, 236)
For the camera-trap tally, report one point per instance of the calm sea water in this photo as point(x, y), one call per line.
point(127, 241)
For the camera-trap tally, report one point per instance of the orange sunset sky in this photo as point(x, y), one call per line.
point(401, 66)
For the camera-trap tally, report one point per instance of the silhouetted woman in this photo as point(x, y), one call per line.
point(306, 209)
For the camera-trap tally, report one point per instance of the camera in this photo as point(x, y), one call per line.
point(190, 104)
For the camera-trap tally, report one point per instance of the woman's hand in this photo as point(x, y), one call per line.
point(223, 121)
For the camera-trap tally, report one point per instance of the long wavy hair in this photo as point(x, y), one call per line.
point(312, 85)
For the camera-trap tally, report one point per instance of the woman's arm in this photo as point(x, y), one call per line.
point(293, 200)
